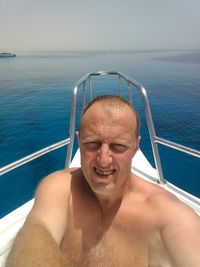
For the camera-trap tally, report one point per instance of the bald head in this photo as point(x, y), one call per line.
point(109, 106)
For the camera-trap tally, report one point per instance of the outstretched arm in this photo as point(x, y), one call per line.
point(37, 243)
point(34, 246)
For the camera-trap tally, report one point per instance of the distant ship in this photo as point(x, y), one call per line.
point(6, 54)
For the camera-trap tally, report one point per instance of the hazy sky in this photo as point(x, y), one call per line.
point(99, 25)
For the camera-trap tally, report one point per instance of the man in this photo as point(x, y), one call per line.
point(102, 214)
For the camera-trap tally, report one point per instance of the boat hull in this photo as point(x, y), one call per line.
point(6, 55)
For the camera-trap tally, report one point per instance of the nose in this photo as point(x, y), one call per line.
point(104, 156)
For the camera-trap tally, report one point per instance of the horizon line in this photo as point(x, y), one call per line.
point(102, 50)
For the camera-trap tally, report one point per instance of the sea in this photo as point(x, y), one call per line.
point(35, 105)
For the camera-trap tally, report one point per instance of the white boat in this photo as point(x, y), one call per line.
point(7, 54)
point(11, 223)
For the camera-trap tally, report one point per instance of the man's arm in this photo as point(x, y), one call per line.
point(37, 243)
point(34, 246)
point(181, 234)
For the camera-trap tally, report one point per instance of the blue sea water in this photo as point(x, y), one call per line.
point(35, 102)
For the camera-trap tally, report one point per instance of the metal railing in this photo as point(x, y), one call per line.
point(70, 141)
point(153, 138)
point(33, 156)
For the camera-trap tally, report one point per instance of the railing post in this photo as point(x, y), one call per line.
point(129, 93)
point(33, 156)
point(90, 85)
point(152, 135)
point(147, 114)
point(84, 94)
point(120, 85)
point(71, 129)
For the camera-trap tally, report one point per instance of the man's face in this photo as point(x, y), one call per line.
point(107, 144)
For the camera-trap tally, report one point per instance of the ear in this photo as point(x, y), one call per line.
point(137, 145)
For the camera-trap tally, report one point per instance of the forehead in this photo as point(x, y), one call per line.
point(108, 115)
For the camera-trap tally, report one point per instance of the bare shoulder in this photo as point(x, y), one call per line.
point(51, 202)
point(150, 191)
point(167, 203)
point(57, 182)
point(162, 201)
point(58, 177)
point(179, 228)
point(55, 189)
point(177, 224)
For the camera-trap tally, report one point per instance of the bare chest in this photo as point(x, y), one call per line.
point(117, 243)
point(128, 236)
point(109, 250)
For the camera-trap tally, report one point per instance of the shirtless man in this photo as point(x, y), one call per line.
point(102, 214)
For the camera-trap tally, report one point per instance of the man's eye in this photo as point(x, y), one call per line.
point(92, 145)
point(118, 148)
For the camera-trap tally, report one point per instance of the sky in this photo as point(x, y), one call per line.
point(71, 25)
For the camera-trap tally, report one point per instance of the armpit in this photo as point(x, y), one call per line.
point(157, 253)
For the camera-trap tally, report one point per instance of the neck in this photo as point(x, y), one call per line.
point(107, 209)
point(111, 203)
point(107, 203)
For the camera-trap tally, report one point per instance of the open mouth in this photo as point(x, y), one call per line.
point(104, 172)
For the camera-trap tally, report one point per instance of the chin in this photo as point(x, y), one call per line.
point(103, 189)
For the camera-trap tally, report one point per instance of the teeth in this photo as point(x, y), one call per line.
point(108, 172)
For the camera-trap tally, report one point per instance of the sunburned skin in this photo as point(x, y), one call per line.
point(124, 236)
point(107, 144)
